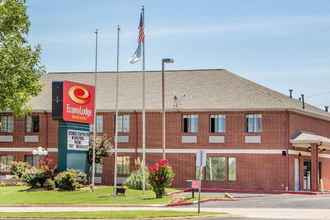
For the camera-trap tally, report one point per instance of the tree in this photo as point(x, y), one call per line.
point(102, 148)
point(20, 67)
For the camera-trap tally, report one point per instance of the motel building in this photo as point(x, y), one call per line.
point(255, 139)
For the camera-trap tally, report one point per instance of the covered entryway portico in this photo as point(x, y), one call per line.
point(314, 143)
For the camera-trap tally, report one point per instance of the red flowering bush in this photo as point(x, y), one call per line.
point(160, 176)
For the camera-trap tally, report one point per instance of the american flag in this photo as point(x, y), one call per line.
point(141, 29)
point(137, 54)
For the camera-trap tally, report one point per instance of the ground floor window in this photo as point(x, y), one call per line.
point(123, 166)
point(216, 168)
point(33, 160)
point(231, 169)
point(98, 169)
point(5, 163)
point(220, 169)
point(98, 173)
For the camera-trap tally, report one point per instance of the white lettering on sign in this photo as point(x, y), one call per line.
point(79, 111)
point(78, 140)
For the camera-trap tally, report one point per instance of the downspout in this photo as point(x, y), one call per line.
point(288, 144)
point(136, 135)
point(47, 142)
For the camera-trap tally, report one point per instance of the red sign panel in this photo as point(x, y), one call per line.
point(195, 184)
point(78, 102)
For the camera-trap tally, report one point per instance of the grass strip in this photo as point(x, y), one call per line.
point(102, 214)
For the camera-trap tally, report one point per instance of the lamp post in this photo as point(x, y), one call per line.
point(164, 60)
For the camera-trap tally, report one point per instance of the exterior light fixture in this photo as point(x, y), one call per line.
point(164, 60)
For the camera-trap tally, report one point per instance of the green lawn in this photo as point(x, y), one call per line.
point(103, 214)
point(10, 195)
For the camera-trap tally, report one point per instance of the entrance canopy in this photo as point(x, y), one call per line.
point(305, 140)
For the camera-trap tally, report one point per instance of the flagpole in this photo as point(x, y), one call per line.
point(116, 117)
point(94, 122)
point(143, 111)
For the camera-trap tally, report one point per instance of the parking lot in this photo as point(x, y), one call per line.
point(274, 201)
point(273, 206)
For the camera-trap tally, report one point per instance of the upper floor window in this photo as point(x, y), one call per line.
point(254, 123)
point(5, 163)
point(6, 123)
point(217, 123)
point(99, 124)
point(123, 123)
point(32, 123)
point(190, 123)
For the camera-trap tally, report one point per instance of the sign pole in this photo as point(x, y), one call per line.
point(200, 182)
point(202, 163)
point(94, 123)
point(116, 117)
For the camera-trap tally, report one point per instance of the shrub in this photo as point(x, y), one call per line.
point(35, 177)
point(49, 184)
point(160, 176)
point(135, 180)
point(70, 180)
point(18, 168)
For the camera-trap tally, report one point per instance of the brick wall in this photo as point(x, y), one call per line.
point(254, 171)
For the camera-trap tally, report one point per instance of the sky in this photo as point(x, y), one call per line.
point(280, 44)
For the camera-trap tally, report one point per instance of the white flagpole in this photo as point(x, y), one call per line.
point(116, 117)
point(94, 123)
point(143, 111)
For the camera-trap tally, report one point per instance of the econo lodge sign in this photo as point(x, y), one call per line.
point(73, 102)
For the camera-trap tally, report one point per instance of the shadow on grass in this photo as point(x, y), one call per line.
point(31, 189)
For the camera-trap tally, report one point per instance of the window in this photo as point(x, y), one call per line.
point(7, 123)
point(99, 124)
point(123, 166)
point(123, 123)
point(98, 169)
point(190, 123)
point(32, 160)
point(254, 123)
point(5, 163)
point(216, 168)
point(231, 169)
point(32, 123)
point(217, 123)
point(220, 169)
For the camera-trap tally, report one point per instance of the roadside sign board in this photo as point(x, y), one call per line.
point(195, 184)
point(78, 140)
point(73, 102)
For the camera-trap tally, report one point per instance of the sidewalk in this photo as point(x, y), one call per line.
point(271, 213)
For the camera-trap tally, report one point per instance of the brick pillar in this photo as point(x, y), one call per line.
point(315, 167)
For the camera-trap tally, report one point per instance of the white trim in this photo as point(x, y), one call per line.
point(308, 154)
point(324, 156)
point(24, 149)
point(195, 150)
point(183, 150)
point(302, 153)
